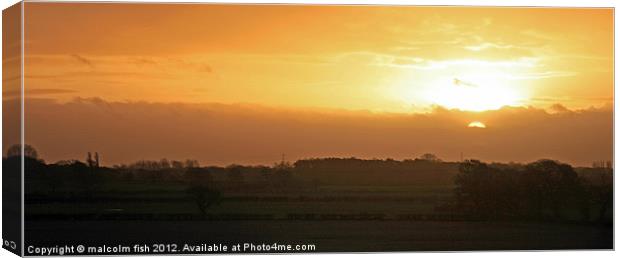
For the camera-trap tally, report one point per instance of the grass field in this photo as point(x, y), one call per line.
point(344, 234)
point(171, 198)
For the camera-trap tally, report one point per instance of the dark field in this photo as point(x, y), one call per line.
point(338, 205)
point(171, 199)
point(331, 236)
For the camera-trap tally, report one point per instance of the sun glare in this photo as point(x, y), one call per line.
point(477, 124)
point(473, 93)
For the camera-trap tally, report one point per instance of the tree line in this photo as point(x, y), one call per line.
point(541, 190)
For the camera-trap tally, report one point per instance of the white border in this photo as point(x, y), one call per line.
point(551, 3)
point(507, 3)
point(22, 131)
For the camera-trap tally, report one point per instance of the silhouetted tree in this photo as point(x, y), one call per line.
point(164, 163)
point(234, 176)
point(191, 163)
point(89, 160)
point(549, 184)
point(531, 191)
point(204, 197)
point(16, 151)
point(202, 188)
point(429, 157)
point(602, 193)
point(472, 187)
point(176, 164)
point(97, 159)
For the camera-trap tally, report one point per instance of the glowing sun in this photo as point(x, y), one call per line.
point(477, 124)
point(474, 93)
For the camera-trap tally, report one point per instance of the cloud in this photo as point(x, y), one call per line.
point(426, 64)
point(420, 63)
point(537, 35)
point(222, 134)
point(144, 61)
point(185, 64)
point(37, 92)
point(487, 45)
point(543, 75)
point(559, 108)
point(83, 60)
point(567, 99)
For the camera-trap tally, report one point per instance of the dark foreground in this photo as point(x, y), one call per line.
point(328, 236)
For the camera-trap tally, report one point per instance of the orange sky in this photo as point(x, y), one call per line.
point(391, 61)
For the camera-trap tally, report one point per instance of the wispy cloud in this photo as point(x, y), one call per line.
point(37, 92)
point(83, 60)
point(543, 75)
point(487, 45)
